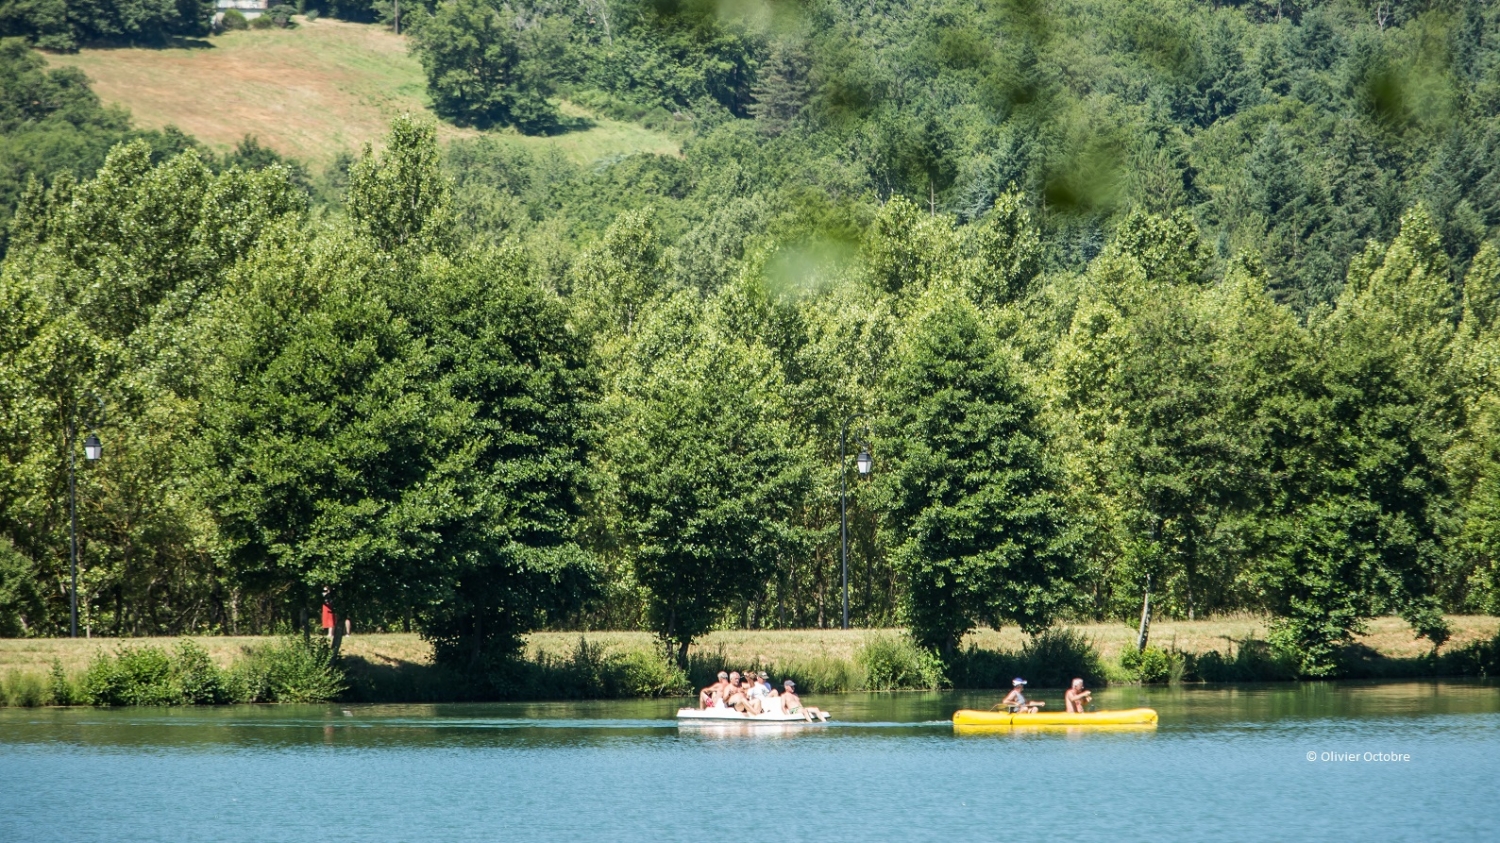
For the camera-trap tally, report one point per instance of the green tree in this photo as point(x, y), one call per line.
point(107, 279)
point(65, 24)
point(21, 608)
point(407, 433)
point(707, 470)
point(615, 280)
point(511, 487)
point(1139, 384)
point(1481, 299)
point(973, 507)
point(51, 123)
point(1223, 86)
point(488, 64)
point(1474, 458)
point(781, 89)
point(402, 200)
point(909, 251)
point(1352, 527)
point(318, 433)
point(1006, 248)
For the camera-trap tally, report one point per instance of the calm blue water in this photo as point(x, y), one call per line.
point(1225, 764)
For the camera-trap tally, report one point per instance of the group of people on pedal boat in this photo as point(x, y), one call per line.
point(751, 694)
point(1075, 698)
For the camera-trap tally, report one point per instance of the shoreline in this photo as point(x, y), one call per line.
point(397, 667)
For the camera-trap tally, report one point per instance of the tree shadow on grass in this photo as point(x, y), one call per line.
point(564, 125)
point(1253, 660)
point(589, 673)
point(532, 120)
point(170, 43)
point(555, 125)
point(389, 680)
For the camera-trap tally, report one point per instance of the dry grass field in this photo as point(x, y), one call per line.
point(1390, 637)
point(1387, 636)
point(311, 92)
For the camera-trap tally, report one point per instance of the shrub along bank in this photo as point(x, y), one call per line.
point(285, 670)
point(882, 662)
point(1253, 660)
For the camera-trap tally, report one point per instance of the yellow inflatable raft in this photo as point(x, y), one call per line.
point(1124, 717)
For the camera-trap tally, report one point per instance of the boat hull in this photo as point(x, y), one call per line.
point(1124, 717)
point(729, 715)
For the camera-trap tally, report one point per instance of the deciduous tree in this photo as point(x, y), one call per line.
point(973, 505)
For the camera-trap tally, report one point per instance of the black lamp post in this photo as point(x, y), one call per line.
point(92, 450)
point(863, 463)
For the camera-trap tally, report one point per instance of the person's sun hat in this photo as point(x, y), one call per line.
point(789, 683)
point(1018, 681)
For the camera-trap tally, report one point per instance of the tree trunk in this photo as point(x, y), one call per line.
point(338, 637)
point(478, 641)
point(796, 585)
point(1145, 631)
point(781, 604)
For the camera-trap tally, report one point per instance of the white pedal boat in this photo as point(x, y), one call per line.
point(729, 715)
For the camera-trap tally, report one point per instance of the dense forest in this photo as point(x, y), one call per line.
point(1171, 301)
point(69, 24)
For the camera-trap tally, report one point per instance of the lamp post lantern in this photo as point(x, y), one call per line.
point(863, 463)
point(93, 449)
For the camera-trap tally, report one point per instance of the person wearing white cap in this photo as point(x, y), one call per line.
point(1016, 700)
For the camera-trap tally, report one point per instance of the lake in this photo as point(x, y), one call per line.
point(1324, 761)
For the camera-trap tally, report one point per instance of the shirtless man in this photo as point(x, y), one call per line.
point(792, 704)
point(1076, 698)
point(1016, 700)
point(736, 696)
point(705, 696)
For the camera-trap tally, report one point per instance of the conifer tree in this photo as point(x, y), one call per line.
point(781, 90)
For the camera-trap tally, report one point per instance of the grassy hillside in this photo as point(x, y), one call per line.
point(308, 92)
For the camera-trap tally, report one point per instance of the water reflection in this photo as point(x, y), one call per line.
point(749, 731)
point(575, 723)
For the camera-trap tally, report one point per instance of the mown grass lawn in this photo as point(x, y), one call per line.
point(311, 92)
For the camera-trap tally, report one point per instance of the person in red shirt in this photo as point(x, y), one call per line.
point(329, 618)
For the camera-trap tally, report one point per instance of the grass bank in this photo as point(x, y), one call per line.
point(325, 87)
point(554, 665)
